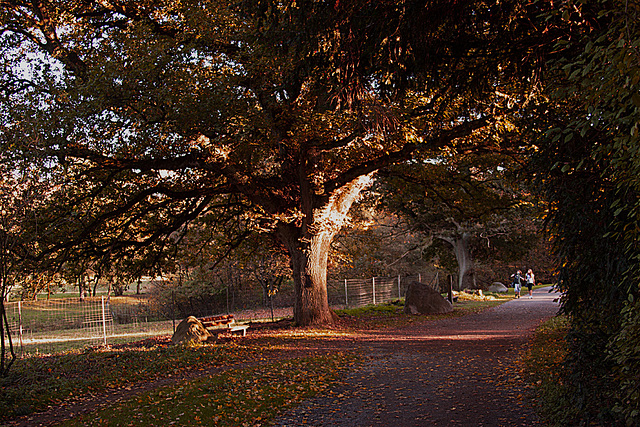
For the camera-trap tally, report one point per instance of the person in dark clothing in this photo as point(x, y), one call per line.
point(517, 283)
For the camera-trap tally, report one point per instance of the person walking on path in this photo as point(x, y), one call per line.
point(531, 280)
point(517, 283)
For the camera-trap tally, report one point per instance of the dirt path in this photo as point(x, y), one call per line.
point(456, 371)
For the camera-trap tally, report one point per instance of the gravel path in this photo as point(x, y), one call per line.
point(456, 371)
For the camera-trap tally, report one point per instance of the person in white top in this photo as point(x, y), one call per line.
point(531, 280)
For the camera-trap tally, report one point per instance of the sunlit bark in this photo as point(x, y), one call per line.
point(308, 247)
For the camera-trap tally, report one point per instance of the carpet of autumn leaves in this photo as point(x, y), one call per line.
point(237, 381)
point(236, 397)
point(205, 383)
point(543, 371)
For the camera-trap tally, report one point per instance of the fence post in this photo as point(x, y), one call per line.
point(399, 288)
point(173, 310)
point(374, 291)
point(20, 328)
point(104, 324)
point(228, 299)
point(419, 278)
point(346, 294)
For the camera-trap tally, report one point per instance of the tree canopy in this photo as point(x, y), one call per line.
point(149, 118)
point(267, 116)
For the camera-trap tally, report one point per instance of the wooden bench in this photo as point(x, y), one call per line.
point(223, 323)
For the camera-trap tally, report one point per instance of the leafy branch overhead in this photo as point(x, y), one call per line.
point(154, 115)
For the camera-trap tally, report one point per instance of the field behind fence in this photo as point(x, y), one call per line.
point(50, 326)
point(56, 325)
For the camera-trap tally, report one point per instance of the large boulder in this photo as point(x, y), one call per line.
point(497, 287)
point(423, 299)
point(190, 330)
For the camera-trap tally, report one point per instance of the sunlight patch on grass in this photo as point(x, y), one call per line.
point(35, 383)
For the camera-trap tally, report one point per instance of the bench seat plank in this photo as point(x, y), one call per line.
point(223, 323)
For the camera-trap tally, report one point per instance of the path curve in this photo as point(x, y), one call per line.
point(454, 371)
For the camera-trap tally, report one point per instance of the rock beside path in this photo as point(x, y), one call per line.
point(423, 299)
point(497, 287)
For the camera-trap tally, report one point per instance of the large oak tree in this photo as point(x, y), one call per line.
point(276, 113)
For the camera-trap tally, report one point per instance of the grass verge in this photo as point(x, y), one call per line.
point(35, 383)
point(251, 396)
point(543, 372)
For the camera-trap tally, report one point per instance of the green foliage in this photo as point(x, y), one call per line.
point(624, 352)
point(588, 169)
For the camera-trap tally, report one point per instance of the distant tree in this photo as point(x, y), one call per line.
point(376, 243)
point(469, 201)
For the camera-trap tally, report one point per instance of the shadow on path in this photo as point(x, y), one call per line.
point(454, 371)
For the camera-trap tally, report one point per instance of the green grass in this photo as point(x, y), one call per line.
point(70, 324)
point(35, 383)
point(251, 396)
point(388, 309)
point(58, 341)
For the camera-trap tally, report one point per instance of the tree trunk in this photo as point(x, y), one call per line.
point(7, 356)
point(308, 245)
point(460, 244)
point(311, 305)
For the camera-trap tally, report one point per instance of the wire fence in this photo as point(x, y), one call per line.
point(56, 325)
point(50, 326)
point(380, 290)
